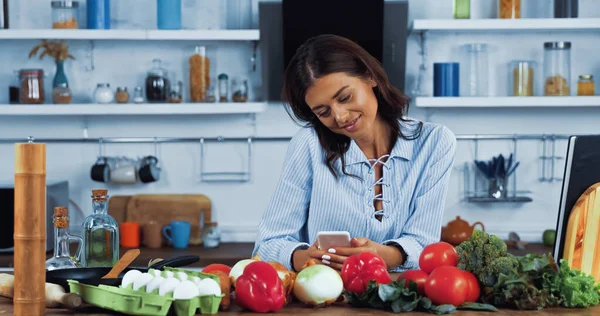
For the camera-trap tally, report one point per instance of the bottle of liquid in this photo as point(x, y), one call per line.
point(100, 234)
point(62, 258)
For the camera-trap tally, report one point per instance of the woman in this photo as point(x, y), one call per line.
point(358, 166)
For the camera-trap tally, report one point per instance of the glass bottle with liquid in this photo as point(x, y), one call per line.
point(62, 258)
point(100, 234)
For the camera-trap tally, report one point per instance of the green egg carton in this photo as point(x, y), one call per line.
point(205, 304)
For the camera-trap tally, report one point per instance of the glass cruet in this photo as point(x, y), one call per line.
point(62, 258)
point(100, 234)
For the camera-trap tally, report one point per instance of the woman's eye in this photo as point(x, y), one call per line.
point(323, 113)
point(345, 98)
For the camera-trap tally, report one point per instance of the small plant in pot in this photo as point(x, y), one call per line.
point(61, 94)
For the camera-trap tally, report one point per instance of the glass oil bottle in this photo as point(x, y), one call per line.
point(100, 234)
point(62, 258)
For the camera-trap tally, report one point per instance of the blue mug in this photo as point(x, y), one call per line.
point(178, 233)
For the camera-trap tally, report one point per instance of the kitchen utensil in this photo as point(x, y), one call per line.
point(93, 276)
point(123, 263)
point(117, 207)
point(458, 230)
point(512, 169)
point(177, 233)
point(55, 294)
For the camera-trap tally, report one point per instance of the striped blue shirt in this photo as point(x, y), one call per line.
point(308, 198)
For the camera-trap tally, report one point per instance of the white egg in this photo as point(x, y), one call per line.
point(196, 279)
point(142, 280)
point(169, 274)
point(182, 276)
point(208, 287)
point(168, 286)
point(156, 273)
point(129, 277)
point(154, 284)
point(185, 290)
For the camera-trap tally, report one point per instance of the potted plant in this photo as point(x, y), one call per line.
point(60, 52)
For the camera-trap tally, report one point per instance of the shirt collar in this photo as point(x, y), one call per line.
point(402, 149)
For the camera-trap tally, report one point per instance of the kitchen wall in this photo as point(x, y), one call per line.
point(237, 207)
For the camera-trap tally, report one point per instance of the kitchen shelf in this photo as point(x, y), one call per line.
point(133, 109)
point(510, 199)
point(452, 25)
point(517, 102)
point(208, 35)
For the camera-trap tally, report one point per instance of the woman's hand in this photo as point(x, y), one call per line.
point(300, 257)
point(335, 257)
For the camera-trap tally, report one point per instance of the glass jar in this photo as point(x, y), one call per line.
point(585, 85)
point(199, 74)
point(65, 14)
point(122, 96)
point(509, 9)
point(223, 87)
point(13, 89)
point(31, 90)
point(62, 94)
point(62, 258)
point(138, 96)
point(240, 90)
point(462, 9)
point(521, 74)
point(103, 94)
point(211, 235)
point(557, 68)
point(176, 93)
point(100, 234)
point(476, 70)
point(239, 14)
point(210, 93)
point(157, 84)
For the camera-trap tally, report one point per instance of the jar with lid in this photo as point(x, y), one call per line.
point(103, 94)
point(176, 93)
point(158, 85)
point(509, 9)
point(31, 90)
point(223, 87)
point(521, 78)
point(585, 85)
point(138, 96)
point(557, 68)
point(62, 94)
point(122, 96)
point(210, 93)
point(477, 70)
point(211, 235)
point(199, 74)
point(462, 9)
point(240, 90)
point(65, 14)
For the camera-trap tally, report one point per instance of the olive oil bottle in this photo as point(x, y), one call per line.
point(100, 234)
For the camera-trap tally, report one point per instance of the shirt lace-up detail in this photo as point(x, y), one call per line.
point(380, 181)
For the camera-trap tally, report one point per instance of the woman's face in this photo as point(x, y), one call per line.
point(343, 103)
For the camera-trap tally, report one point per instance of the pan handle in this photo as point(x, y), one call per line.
point(175, 262)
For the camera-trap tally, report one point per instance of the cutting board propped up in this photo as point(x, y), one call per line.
point(165, 208)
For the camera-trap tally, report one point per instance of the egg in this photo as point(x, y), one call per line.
point(142, 280)
point(196, 279)
point(182, 276)
point(156, 273)
point(154, 284)
point(167, 286)
point(185, 290)
point(208, 287)
point(129, 277)
point(169, 274)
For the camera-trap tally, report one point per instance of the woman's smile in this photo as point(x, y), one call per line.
point(352, 126)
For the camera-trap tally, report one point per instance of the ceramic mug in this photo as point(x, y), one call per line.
point(124, 174)
point(149, 172)
point(178, 233)
point(100, 171)
point(129, 233)
point(152, 232)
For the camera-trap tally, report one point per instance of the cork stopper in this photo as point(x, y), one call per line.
point(61, 211)
point(99, 195)
point(210, 224)
point(61, 217)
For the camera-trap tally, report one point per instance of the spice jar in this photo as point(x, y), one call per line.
point(223, 87)
point(211, 235)
point(31, 90)
point(65, 14)
point(210, 93)
point(62, 94)
point(521, 74)
point(240, 90)
point(157, 84)
point(462, 9)
point(176, 93)
point(557, 68)
point(103, 94)
point(199, 74)
point(585, 85)
point(509, 9)
point(122, 95)
point(138, 96)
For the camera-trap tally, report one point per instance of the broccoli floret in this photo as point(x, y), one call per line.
point(480, 255)
point(505, 265)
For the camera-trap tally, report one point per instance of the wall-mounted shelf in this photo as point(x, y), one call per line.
point(182, 35)
point(518, 102)
point(485, 25)
point(133, 109)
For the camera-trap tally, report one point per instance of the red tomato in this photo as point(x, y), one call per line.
point(418, 276)
point(437, 255)
point(447, 285)
point(217, 267)
point(474, 289)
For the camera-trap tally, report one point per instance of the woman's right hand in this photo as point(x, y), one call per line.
point(301, 256)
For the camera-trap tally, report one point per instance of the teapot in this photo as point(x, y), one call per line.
point(458, 230)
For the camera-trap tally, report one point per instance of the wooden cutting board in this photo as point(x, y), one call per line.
point(582, 241)
point(117, 207)
point(165, 208)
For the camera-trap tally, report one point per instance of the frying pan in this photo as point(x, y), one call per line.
point(93, 275)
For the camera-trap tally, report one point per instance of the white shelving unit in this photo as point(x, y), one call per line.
point(486, 25)
point(507, 102)
point(132, 109)
point(209, 35)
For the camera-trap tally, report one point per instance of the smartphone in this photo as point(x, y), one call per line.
point(332, 239)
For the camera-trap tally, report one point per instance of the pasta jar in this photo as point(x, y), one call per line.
point(557, 68)
point(509, 9)
point(585, 86)
point(65, 14)
point(521, 78)
point(199, 74)
point(32, 86)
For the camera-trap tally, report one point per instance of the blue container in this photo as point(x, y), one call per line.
point(98, 14)
point(168, 14)
point(446, 79)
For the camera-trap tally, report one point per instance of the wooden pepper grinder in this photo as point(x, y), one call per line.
point(30, 229)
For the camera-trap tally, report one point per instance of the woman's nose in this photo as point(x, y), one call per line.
point(341, 116)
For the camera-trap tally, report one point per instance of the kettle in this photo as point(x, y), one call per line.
point(458, 230)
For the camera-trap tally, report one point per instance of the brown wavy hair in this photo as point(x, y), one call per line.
point(326, 54)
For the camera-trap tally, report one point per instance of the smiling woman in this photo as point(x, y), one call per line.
point(359, 165)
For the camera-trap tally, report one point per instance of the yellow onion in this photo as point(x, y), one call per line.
point(318, 285)
point(239, 267)
point(287, 278)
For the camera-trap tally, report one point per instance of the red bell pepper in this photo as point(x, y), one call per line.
point(361, 268)
point(259, 288)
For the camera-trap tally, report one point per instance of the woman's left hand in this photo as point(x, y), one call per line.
point(335, 257)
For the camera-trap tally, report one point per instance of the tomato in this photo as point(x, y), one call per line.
point(437, 255)
point(418, 276)
point(474, 289)
point(447, 285)
point(217, 267)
